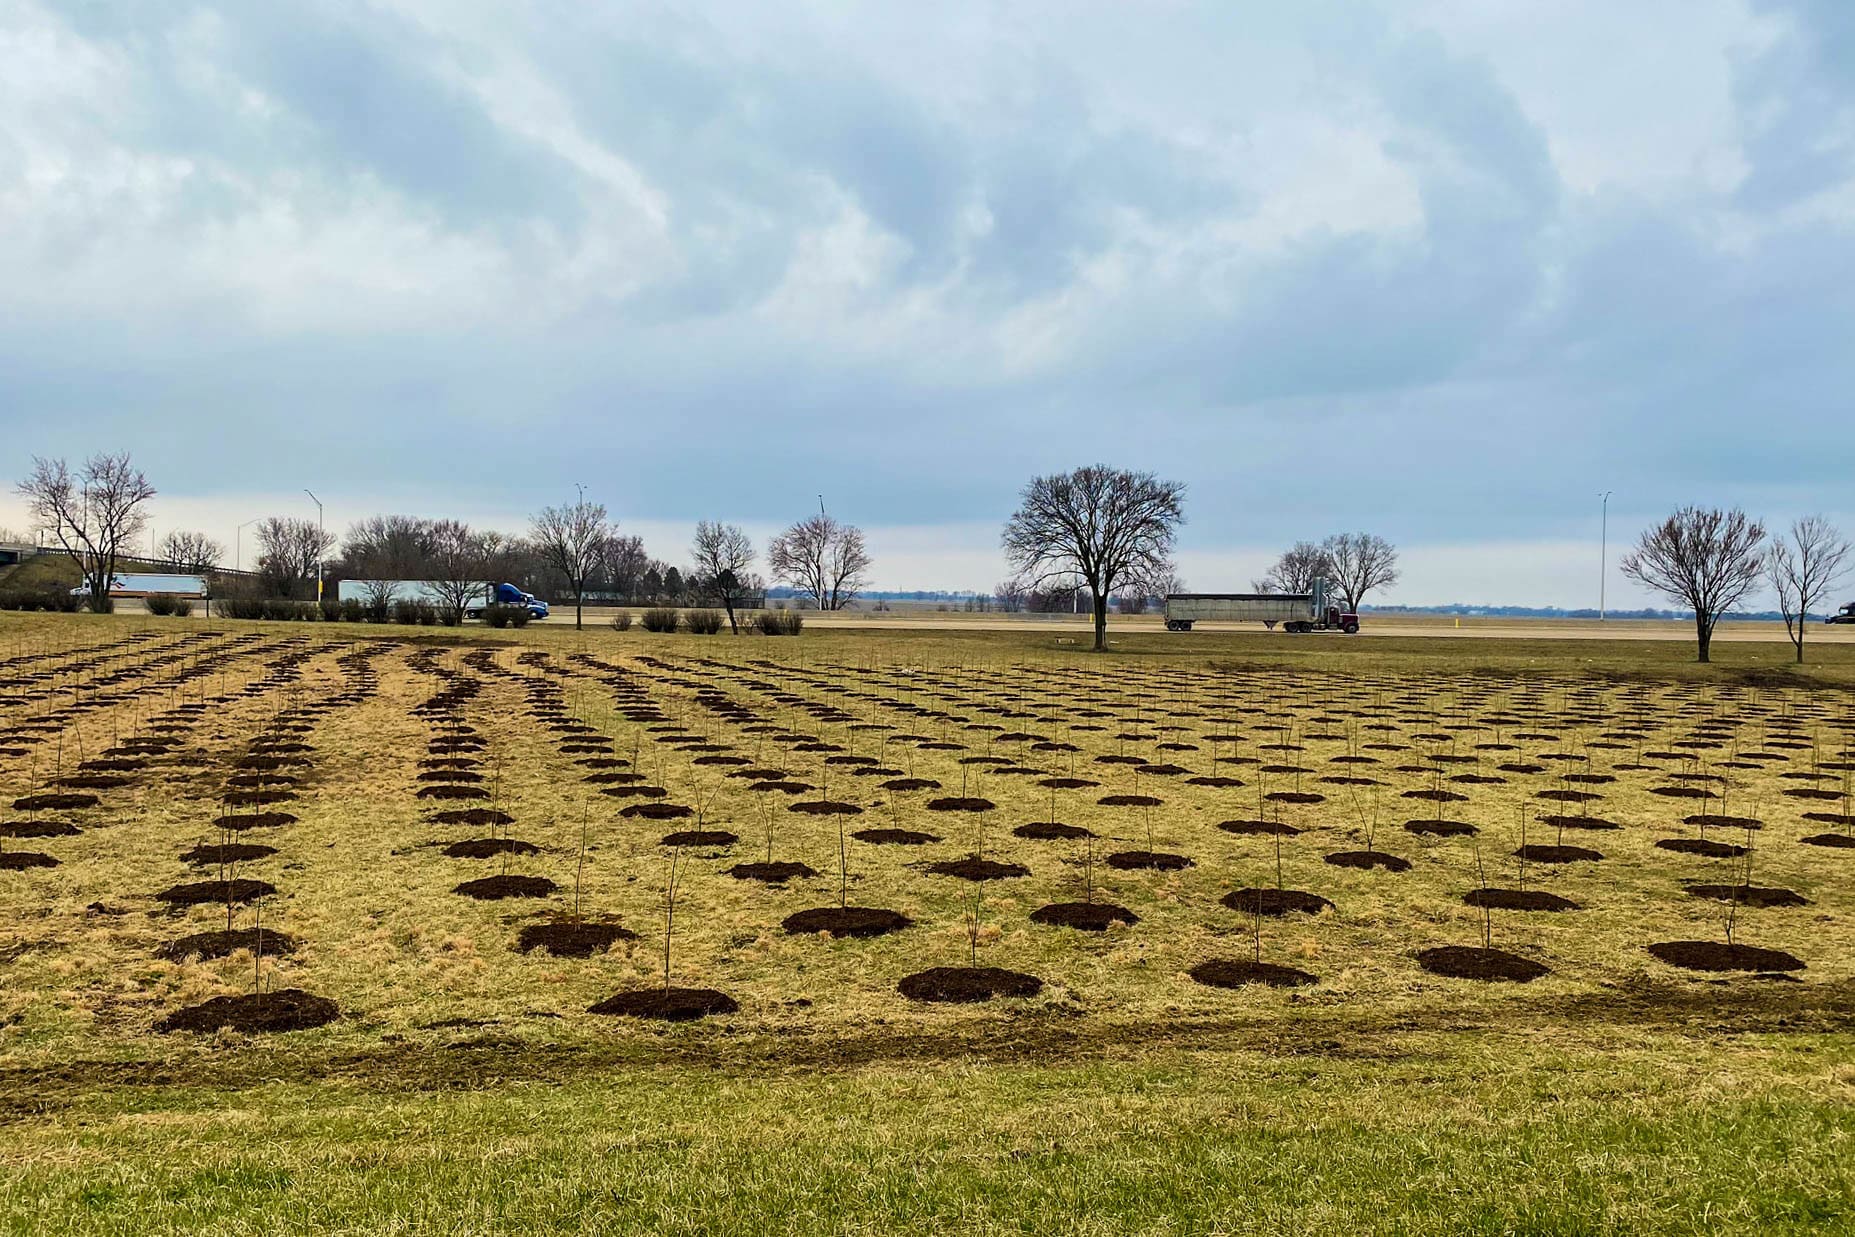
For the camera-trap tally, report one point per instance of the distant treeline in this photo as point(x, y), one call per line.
point(1474, 611)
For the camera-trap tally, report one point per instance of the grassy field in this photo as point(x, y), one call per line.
point(465, 1087)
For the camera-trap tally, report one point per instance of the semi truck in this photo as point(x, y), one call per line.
point(482, 593)
point(1295, 612)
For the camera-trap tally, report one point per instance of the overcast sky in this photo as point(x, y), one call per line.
point(1438, 270)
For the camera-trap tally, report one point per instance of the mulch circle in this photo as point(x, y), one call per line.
point(668, 1004)
point(472, 816)
point(200, 893)
point(1086, 916)
point(20, 860)
point(288, 1009)
point(1749, 895)
point(1555, 821)
point(1473, 962)
point(1308, 796)
point(1238, 973)
point(858, 921)
point(911, 783)
point(1067, 783)
point(657, 811)
point(967, 984)
point(490, 888)
point(38, 829)
point(489, 848)
point(895, 837)
point(1441, 828)
point(1519, 900)
point(973, 868)
point(699, 837)
point(1368, 859)
point(94, 781)
point(1047, 830)
point(1702, 846)
point(1718, 956)
point(224, 944)
point(54, 801)
point(1147, 861)
point(1273, 902)
point(960, 803)
point(825, 807)
point(1557, 854)
point(228, 852)
point(770, 873)
point(1838, 841)
point(781, 787)
point(258, 798)
point(1265, 828)
point(572, 940)
point(253, 820)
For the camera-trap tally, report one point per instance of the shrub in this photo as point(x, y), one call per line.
point(660, 618)
point(779, 622)
point(330, 609)
point(160, 605)
point(376, 609)
point(703, 622)
point(183, 607)
point(499, 615)
point(352, 611)
point(39, 599)
point(621, 621)
point(407, 612)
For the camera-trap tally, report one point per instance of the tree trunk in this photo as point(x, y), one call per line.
point(727, 603)
point(579, 609)
point(1101, 622)
point(1799, 640)
point(1703, 630)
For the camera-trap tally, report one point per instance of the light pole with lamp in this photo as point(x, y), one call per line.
point(318, 503)
point(1603, 552)
point(238, 542)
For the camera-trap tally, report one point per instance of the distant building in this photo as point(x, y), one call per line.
point(141, 584)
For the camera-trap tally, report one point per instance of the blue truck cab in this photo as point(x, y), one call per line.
point(509, 595)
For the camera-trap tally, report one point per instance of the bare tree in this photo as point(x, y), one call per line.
point(573, 540)
point(459, 565)
point(1296, 570)
point(192, 553)
point(387, 548)
point(91, 514)
point(1705, 558)
point(1102, 527)
point(1357, 563)
point(821, 558)
point(289, 550)
point(623, 565)
point(724, 558)
point(1011, 594)
point(1803, 568)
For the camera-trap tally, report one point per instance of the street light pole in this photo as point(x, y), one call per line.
point(238, 541)
point(318, 503)
point(1603, 553)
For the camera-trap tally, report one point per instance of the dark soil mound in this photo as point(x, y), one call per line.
point(1716, 820)
point(825, 807)
point(200, 893)
point(1442, 828)
point(634, 792)
point(54, 801)
point(257, 798)
point(1748, 895)
point(489, 848)
point(453, 792)
point(1048, 830)
point(572, 940)
point(699, 837)
point(1265, 828)
point(966, 984)
point(224, 944)
point(1368, 859)
point(1219, 782)
point(38, 829)
point(1067, 783)
point(1519, 900)
point(288, 1009)
point(770, 873)
point(1553, 821)
point(1302, 796)
point(1557, 854)
point(253, 820)
point(1274, 902)
point(1679, 792)
point(657, 811)
point(911, 783)
point(20, 860)
point(973, 868)
point(1147, 861)
point(1130, 801)
point(781, 787)
point(669, 1004)
point(1716, 956)
point(1235, 973)
point(1839, 841)
point(1471, 962)
point(894, 837)
point(472, 816)
point(846, 921)
point(107, 781)
point(229, 852)
point(1701, 846)
point(957, 803)
point(490, 888)
point(1086, 916)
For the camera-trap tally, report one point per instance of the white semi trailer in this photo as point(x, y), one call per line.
point(1295, 612)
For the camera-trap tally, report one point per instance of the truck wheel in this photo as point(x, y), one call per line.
point(1269, 623)
point(1351, 629)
